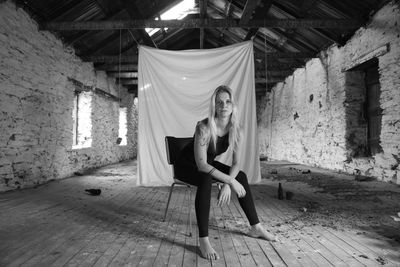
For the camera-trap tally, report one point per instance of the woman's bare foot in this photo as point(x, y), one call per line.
point(206, 249)
point(258, 231)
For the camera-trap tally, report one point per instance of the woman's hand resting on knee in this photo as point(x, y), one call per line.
point(238, 188)
point(224, 196)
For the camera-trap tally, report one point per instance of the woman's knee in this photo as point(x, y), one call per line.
point(205, 179)
point(241, 177)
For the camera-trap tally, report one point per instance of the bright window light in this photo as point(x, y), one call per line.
point(179, 11)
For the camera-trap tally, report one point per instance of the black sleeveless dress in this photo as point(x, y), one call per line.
point(186, 165)
point(186, 170)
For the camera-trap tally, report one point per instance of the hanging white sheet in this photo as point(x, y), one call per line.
point(174, 92)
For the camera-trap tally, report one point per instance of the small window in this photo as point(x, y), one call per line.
point(123, 130)
point(82, 121)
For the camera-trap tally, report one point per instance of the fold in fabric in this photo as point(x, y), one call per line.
point(174, 89)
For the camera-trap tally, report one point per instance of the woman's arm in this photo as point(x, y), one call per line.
point(201, 141)
point(236, 156)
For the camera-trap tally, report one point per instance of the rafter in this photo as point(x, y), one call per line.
point(175, 37)
point(259, 14)
point(107, 7)
point(116, 74)
point(318, 30)
point(278, 65)
point(116, 67)
point(126, 81)
point(134, 58)
point(123, 81)
point(297, 40)
point(269, 80)
point(203, 11)
point(100, 45)
point(88, 34)
point(73, 10)
point(306, 7)
point(198, 23)
point(111, 59)
point(248, 10)
point(134, 12)
point(61, 9)
point(164, 41)
point(284, 55)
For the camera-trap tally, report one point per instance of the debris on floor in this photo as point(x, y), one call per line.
point(361, 178)
point(396, 218)
point(93, 192)
point(337, 200)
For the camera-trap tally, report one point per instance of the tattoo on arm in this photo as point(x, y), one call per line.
point(200, 130)
point(203, 142)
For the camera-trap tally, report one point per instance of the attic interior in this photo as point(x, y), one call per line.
point(326, 80)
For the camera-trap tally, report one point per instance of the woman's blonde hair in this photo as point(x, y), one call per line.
point(234, 127)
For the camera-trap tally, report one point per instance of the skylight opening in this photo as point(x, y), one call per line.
point(179, 11)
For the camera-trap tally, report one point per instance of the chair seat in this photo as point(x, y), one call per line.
point(177, 181)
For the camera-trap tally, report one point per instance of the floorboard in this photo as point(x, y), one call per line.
point(58, 224)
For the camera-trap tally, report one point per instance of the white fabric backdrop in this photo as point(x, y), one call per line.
point(174, 92)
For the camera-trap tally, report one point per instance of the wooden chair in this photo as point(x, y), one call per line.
point(173, 146)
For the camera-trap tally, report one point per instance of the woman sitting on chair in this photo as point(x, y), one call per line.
point(196, 166)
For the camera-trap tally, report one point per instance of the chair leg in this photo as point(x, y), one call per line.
point(169, 199)
point(190, 211)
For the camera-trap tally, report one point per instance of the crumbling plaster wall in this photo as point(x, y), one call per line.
point(36, 101)
point(292, 127)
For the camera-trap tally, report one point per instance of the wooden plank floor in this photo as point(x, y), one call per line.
point(58, 224)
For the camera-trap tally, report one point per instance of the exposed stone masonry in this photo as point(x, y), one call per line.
point(324, 130)
point(36, 102)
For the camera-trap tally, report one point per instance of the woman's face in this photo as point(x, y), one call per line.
point(223, 105)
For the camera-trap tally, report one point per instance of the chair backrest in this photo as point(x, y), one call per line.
point(174, 146)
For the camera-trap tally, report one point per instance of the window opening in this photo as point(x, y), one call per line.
point(82, 120)
point(123, 130)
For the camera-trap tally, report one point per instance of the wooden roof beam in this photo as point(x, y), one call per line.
point(317, 30)
point(115, 67)
point(79, 36)
point(198, 23)
point(203, 11)
point(306, 7)
point(269, 80)
point(248, 10)
point(276, 72)
point(101, 44)
point(116, 74)
point(126, 81)
point(134, 58)
point(111, 59)
point(107, 7)
point(260, 13)
point(134, 12)
point(257, 80)
point(164, 41)
point(72, 10)
point(284, 55)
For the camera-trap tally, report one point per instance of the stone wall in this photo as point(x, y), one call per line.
point(36, 103)
point(311, 117)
